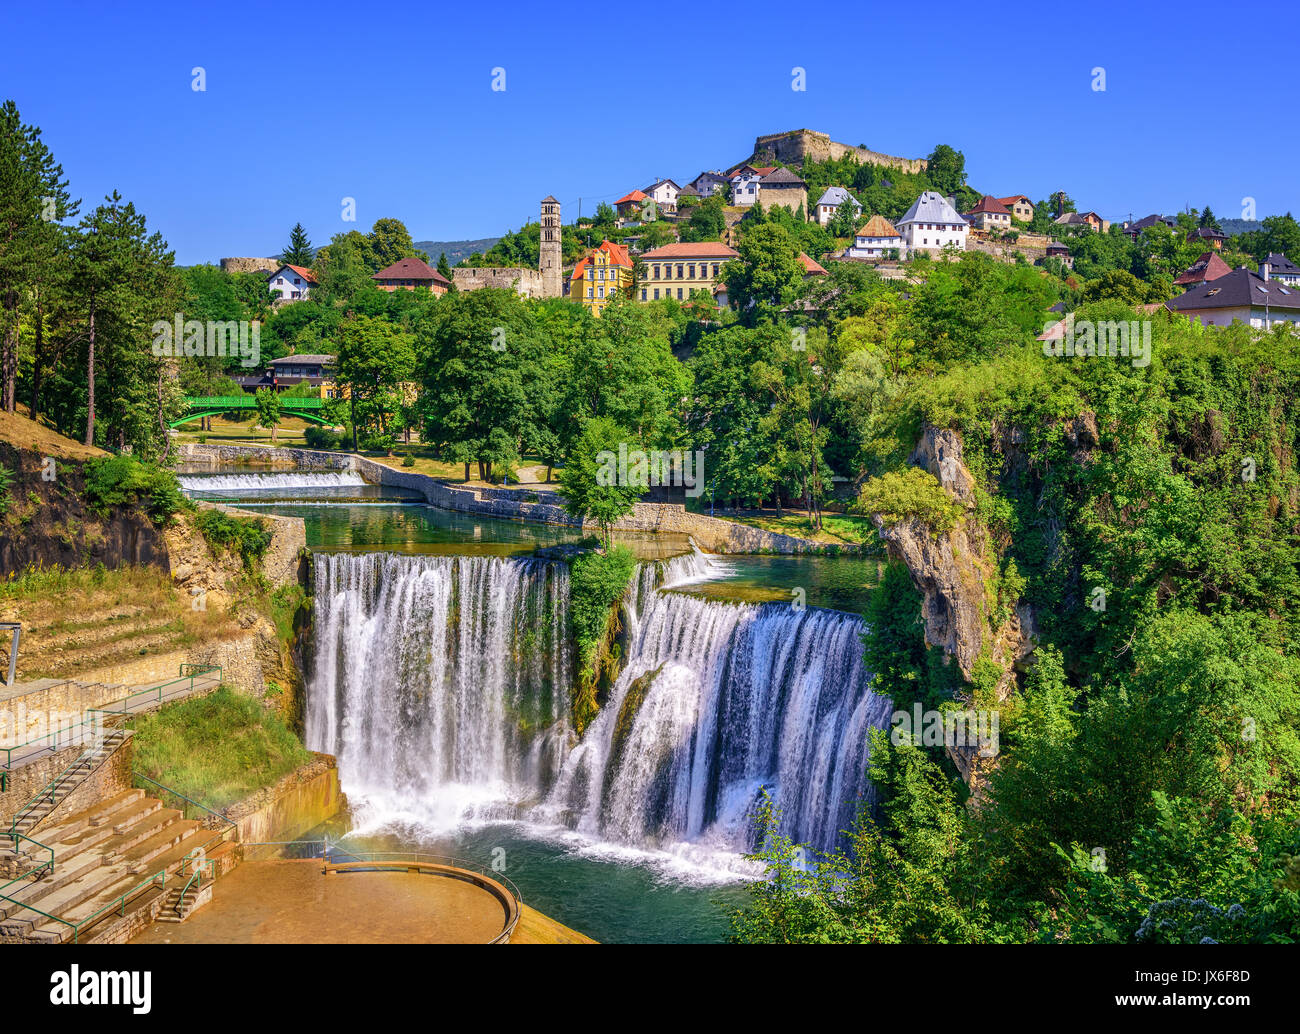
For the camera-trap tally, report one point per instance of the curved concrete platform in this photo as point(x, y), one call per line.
point(299, 902)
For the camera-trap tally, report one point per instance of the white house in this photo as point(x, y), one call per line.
point(933, 224)
point(1279, 267)
point(877, 239)
point(744, 182)
point(291, 283)
point(664, 194)
point(829, 203)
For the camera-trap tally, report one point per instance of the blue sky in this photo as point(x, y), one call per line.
point(392, 105)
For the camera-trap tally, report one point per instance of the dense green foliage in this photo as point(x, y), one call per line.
point(246, 537)
point(126, 481)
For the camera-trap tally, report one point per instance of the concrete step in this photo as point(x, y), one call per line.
point(98, 816)
point(97, 837)
point(136, 831)
point(144, 855)
point(161, 858)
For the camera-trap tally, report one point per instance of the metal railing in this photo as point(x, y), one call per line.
point(160, 693)
point(119, 904)
point(66, 735)
point(49, 789)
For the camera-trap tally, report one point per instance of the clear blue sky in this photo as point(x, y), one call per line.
point(392, 105)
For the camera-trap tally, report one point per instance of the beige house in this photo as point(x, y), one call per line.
point(782, 187)
point(676, 270)
point(989, 214)
point(1019, 206)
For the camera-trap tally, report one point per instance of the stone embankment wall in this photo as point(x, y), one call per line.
point(301, 801)
point(711, 533)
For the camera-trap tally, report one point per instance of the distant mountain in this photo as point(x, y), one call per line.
point(456, 250)
point(1232, 227)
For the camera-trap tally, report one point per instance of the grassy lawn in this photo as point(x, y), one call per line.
point(242, 432)
point(836, 527)
point(216, 749)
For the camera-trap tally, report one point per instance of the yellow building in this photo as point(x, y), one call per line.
point(601, 274)
point(677, 270)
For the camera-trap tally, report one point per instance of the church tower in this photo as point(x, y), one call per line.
point(551, 257)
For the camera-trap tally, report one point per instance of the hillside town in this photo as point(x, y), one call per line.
point(672, 241)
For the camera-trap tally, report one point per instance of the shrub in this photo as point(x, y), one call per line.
point(6, 476)
point(318, 437)
point(897, 496)
point(247, 536)
point(125, 481)
point(408, 460)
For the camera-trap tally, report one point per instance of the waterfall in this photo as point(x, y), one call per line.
point(443, 685)
point(440, 683)
point(263, 482)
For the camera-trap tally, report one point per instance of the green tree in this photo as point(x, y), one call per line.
point(946, 169)
point(375, 359)
point(298, 252)
point(766, 277)
point(592, 484)
point(268, 410)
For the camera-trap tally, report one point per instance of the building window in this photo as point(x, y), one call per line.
point(589, 290)
point(657, 273)
point(600, 291)
point(690, 271)
point(656, 294)
point(679, 294)
point(679, 271)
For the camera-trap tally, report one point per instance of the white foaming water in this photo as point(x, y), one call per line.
point(262, 482)
point(443, 685)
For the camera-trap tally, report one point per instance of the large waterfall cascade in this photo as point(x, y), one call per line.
point(443, 685)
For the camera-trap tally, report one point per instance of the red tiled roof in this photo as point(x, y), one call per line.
point(306, 274)
point(989, 204)
point(811, 266)
point(1208, 267)
point(617, 257)
point(691, 250)
point(1009, 201)
point(410, 269)
point(635, 195)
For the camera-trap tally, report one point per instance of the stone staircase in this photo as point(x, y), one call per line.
point(68, 780)
point(178, 904)
point(100, 854)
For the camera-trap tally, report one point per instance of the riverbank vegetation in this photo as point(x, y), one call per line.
point(216, 749)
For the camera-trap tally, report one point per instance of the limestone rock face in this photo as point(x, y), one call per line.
point(945, 572)
point(939, 452)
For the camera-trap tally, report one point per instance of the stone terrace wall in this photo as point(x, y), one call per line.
point(711, 533)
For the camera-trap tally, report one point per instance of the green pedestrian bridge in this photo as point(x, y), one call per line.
point(214, 405)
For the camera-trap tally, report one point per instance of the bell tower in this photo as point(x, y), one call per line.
point(551, 256)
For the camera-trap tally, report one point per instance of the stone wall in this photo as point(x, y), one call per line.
point(527, 282)
point(111, 777)
point(249, 265)
point(22, 784)
point(299, 802)
point(794, 146)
